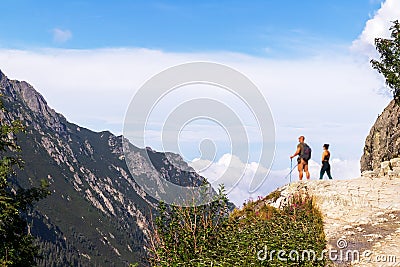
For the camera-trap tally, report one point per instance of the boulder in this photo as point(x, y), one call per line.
point(385, 168)
point(395, 162)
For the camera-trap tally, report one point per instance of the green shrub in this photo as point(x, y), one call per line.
point(183, 236)
point(243, 237)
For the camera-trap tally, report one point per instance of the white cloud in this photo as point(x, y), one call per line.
point(329, 98)
point(233, 173)
point(238, 193)
point(61, 36)
point(377, 27)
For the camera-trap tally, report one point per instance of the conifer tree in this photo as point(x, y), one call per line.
point(389, 63)
point(17, 246)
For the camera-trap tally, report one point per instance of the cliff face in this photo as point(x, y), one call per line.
point(96, 215)
point(383, 141)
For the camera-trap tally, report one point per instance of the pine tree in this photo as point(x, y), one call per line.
point(389, 64)
point(17, 246)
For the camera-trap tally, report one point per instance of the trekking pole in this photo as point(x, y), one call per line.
point(291, 168)
point(290, 173)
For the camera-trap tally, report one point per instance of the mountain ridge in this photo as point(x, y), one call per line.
point(97, 215)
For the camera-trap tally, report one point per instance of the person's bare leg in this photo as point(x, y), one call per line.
point(306, 170)
point(300, 168)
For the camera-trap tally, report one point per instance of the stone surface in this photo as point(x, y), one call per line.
point(396, 170)
point(369, 174)
point(383, 141)
point(365, 212)
point(395, 163)
point(385, 168)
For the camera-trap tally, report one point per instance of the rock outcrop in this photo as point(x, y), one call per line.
point(361, 215)
point(383, 141)
point(389, 168)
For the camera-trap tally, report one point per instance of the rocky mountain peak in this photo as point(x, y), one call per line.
point(97, 215)
point(3, 79)
point(33, 99)
point(2, 76)
point(30, 105)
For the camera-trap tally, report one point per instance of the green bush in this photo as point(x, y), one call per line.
point(251, 236)
point(183, 236)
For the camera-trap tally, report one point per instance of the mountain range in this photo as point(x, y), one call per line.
point(96, 214)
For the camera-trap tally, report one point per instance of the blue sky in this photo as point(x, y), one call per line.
point(262, 28)
point(89, 58)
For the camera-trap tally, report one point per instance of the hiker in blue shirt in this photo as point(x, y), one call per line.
point(304, 153)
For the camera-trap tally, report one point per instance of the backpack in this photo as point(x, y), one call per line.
point(306, 152)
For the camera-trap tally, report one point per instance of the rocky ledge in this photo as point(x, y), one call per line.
point(361, 214)
point(389, 168)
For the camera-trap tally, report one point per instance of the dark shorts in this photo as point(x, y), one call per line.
point(303, 161)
